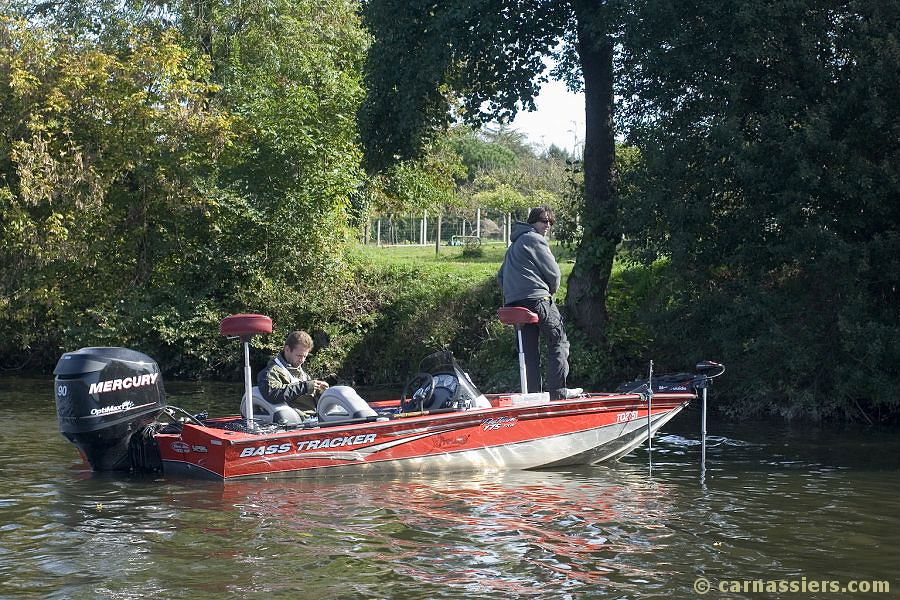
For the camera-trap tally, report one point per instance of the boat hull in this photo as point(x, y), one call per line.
point(581, 431)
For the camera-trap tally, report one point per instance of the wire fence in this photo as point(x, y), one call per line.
point(455, 230)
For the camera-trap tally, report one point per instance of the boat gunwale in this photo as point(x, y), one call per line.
point(458, 418)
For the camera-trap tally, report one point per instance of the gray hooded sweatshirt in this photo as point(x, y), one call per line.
point(529, 269)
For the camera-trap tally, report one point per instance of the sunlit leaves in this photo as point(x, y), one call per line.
point(428, 57)
point(158, 165)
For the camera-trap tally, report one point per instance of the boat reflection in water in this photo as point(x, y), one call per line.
point(497, 533)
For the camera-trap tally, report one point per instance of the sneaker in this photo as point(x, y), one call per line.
point(567, 393)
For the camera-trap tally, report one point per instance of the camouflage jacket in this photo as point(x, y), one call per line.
point(280, 382)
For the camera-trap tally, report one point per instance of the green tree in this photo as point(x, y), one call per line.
point(490, 193)
point(502, 171)
point(491, 54)
point(768, 180)
point(415, 186)
point(480, 155)
point(161, 166)
point(289, 72)
point(99, 176)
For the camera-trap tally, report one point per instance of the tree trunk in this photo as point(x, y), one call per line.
point(586, 298)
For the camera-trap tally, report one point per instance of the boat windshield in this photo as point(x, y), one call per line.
point(453, 388)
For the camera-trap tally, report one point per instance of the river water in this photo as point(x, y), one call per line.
point(802, 506)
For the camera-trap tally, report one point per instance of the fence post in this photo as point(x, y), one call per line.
point(437, 238)
point(378, 238)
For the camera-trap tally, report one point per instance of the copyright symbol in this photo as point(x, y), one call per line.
point(701, 586)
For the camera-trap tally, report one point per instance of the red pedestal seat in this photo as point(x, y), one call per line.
point(516, 315)
point(244, 325)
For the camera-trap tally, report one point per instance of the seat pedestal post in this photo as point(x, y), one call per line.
point(248, 385)
point(522, 375)
point(518, 316)
point(245, 326)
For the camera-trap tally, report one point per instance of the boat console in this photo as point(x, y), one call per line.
point(441, 384)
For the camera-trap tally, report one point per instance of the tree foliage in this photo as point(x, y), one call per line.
point(770, 142)
point(482, 58)
point(485, 60)
point(462, 169)
point(99, 181)
point(427, 183)
point(161, 166)
point(504, 173)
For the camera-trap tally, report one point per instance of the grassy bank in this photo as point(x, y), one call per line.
point(413, 302)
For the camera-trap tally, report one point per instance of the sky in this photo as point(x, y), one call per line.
point(559, 118)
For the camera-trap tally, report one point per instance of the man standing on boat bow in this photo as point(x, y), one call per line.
point(529, 276)
point(284, 380)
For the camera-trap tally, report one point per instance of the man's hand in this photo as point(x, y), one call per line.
point(319, 385)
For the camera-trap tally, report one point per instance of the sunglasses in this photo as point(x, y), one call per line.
point(547, 221)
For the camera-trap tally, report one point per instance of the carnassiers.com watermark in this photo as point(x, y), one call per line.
point(786, 586)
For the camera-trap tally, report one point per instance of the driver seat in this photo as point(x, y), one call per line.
point(265, 412)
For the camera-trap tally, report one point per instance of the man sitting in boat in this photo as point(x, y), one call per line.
point(284, 380)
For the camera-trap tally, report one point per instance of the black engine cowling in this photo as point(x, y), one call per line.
point(103, 397)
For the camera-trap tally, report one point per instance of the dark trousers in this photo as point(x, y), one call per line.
point(551, 326)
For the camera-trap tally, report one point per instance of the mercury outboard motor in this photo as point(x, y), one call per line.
point(103, 397)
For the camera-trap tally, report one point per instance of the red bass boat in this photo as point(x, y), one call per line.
point(111, 405)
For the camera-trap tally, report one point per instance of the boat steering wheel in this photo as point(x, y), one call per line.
point(423, 384)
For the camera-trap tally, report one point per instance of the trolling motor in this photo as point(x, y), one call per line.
point(701, 382)
point(706, 371)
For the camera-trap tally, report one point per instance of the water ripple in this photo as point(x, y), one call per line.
point(774, 503)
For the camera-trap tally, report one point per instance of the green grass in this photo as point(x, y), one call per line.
point(492, 254)
point(452, 257)
point(446, 301)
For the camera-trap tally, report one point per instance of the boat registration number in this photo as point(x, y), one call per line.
point(626, 416)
